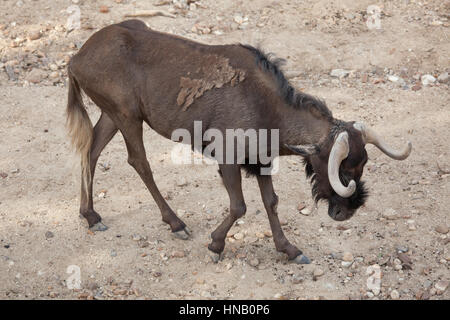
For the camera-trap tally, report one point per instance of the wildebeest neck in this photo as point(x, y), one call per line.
point(302, 118)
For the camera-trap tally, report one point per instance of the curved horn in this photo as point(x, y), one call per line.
point(369, 136)
point(339, 152)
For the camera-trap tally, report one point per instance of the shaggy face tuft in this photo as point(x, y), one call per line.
point(339, 208)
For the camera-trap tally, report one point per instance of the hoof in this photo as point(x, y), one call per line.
point(98, 227)
point(301, 259)
point(183, 234)
point(215, 257)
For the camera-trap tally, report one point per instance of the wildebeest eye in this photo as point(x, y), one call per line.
point(357, 161)
point(353, 162)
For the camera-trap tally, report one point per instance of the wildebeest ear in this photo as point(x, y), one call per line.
point(304, 150)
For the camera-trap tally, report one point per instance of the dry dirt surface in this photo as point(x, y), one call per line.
point(394, 78)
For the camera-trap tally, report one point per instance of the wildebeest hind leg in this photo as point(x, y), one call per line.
point(231, 175)
point(270, 200)
point(104, 131)
point(132, 133)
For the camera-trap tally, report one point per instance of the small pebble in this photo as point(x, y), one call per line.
point(279, 296)
point(318, 272)
point(427, 79)
point(441, 285)
point(49, 235)
point(364, 78)
point(347, 256)
point(390, 214)
point(238, 236)
point(254, 262)
point(443, 77)
point(181, 182)
point(157, 274)
point(346, 264)
point(259, 235)
point(305, 211)
point(297, 278)
point(370, 259)
point(136, 237)
point(339, 73)
point(442, 229)
point(178, 254)
point(34, 35)
point(54, 75)
point(238, 19)
point(393, 78)
point(395, 295)
point(402, 249)
point(404, 258)
point(35, 76)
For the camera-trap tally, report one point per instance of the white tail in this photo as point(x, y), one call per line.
point(80, 130)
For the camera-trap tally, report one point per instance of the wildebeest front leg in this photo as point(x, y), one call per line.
point(231, 175)
point(104, 131)
point(270, 200)
point(132, 133)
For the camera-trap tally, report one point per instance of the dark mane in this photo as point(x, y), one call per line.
point(271, 64)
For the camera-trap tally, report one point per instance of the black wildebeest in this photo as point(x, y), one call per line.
point(135, 75)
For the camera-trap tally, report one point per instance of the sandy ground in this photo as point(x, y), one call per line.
point(41, 234)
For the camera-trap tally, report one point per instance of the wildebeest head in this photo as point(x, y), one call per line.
point(336, 166)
